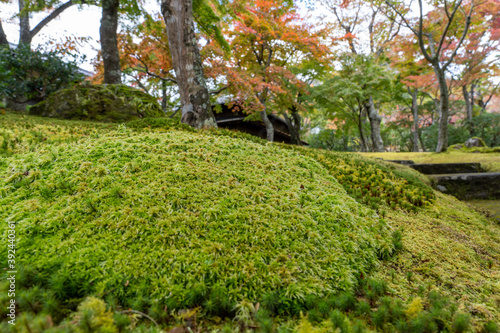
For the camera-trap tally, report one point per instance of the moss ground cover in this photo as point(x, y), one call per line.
point(378, 184)
point(247, 236)
point(105, 103)
point(178, 215)
point(451, 248)
point(490, 161)
point(489, 207)
point(20, 133)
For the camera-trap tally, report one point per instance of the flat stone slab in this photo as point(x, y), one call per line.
point(404, 162)
point(447, 168)
point(469, 186)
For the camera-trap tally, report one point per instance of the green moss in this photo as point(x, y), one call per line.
point(104, 103)
point(377, 184)
point(489, 161)
point(175, 211)
point(154, 216)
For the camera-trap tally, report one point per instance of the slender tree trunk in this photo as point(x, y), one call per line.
point(421, 141)
point(296, 126)
point(361, 134)
point(3, 37)
point(468, 105)
point(442, 143)
point(293, 124)
point(414, 108)
point(24, 25)
point(265, 119)
point(195, 101)
point(268, 124)
point(164, 95)
point(375, 120)
point(109, 42)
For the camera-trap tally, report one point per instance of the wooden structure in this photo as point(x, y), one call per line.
point(235, 119)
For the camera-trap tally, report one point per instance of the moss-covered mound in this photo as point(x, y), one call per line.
point(377, 184)
point(474, 145)
point(105, 103)
point(185, 218)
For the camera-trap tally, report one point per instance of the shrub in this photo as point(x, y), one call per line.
point(28, 76)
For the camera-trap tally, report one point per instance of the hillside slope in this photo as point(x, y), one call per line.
point(153, 216)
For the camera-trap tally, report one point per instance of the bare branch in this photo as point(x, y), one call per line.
point(420, 35)
point(466, 29)
point(146, 70)
point(485, 104)
point(51, 16)
point(269, 57)
point(407, 24)
point(175, 112)
point(218, 91)
point(446, 10)
point(450, 20)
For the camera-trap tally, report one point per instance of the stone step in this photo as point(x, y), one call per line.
point(404, 162)
point(447, 168)
point(466, 186)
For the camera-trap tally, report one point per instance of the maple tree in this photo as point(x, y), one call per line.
point(477, 60)
point(439, 36)
point(148, 62)
point(275, 56)
point(345, 92)
point(355, 19)
point(418, 78)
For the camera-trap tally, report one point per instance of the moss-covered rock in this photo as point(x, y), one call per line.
point(106, 103)
point(475, 142)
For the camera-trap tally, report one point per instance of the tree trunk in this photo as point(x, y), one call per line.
point(414, 108)
point(421, 141)
point(109, 42)
point(24, 25)
point(375, 119)
point(293, 124)
point(3, 37)
point(268, 124)
point(195, 101)
point(436, 107)
point(468, 99)
point(296, 126)
point(468, 105)
point(442, 143)
point(360, 128)
point(164, 95)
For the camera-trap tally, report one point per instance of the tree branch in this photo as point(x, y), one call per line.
point(407, 24)
point(218, 91)
point(51, 16)
point(146, 70)
point(420, 35)
point(485, 104)
point(450, 20)
point(3, 37)
point(175, 112)
point(139, 83)
point(466, 29)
